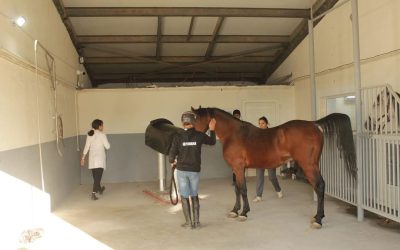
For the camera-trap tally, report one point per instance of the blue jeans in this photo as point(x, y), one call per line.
point(188, 183)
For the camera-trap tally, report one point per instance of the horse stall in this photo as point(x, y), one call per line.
point(139, 64)
point(380, 157)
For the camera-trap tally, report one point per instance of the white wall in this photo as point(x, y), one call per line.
point(27, 108)
point(130, 110)
point(379, 47)
point(19, 86)
point(127, 112)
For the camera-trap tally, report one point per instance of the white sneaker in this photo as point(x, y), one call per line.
point(279, 194)
point(257, 199)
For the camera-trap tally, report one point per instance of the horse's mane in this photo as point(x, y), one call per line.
point(231, 116)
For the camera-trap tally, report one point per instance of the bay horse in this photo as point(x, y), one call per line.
point(247, 146)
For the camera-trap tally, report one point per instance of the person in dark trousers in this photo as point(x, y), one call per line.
point(237, 115)
point(185, 154)
point(96, 143)
point(263, 124)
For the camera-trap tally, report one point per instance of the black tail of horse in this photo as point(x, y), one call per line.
point(337, 126)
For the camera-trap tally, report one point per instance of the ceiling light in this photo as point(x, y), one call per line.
point(20, 21)
point(350, 97)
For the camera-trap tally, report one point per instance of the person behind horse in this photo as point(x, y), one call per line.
point(263, 124)
point(237, 115)
point(185, 153)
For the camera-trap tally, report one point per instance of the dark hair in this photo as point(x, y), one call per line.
point(95, 125)
point(264, 119)
point(236, 111)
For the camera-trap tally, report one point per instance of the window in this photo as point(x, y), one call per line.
point(343, 104)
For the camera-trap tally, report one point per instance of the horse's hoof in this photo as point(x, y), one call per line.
point(242, 218)
point(313, 220)
point(232, 215)
point(316, 225)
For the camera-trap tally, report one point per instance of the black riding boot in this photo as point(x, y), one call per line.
point(196, 209)
point(186, 212)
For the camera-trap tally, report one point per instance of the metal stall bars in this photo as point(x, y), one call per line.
point(380, 157)
point(380, 151)
point(357, 86)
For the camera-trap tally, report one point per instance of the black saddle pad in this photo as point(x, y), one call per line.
point(159, 135)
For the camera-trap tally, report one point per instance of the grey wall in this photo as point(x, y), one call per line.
point(61, 174)
point(130, 160)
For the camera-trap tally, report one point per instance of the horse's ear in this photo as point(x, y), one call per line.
point(192, 108)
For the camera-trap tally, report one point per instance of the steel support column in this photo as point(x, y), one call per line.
point(357, 83)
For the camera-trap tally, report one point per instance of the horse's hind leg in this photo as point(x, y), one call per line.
point(313, 175)
point(320, 190)
point(318, 183)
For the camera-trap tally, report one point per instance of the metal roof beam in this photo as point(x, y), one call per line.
point(298, 35)
point(190, 29)
point(230, 56)
point(178, 75)
point(211, 45)
point(159, 35)
point(178, 59)
point(182, 39)
point(186, 11)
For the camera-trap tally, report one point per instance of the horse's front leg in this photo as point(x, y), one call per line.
point(241, 190)
point(246, 206)
point(235, 211)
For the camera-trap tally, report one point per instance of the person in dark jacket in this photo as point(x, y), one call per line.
point(185, 154)
point(236, 114)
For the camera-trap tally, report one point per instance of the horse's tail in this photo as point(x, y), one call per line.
point(337, 126)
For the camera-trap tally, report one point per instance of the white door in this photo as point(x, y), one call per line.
point(253, 110)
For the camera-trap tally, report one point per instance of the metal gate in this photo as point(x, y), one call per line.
point(380, 168)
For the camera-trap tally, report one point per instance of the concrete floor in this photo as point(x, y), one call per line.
point(126, 218)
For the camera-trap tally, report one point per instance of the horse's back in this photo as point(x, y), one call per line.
point(283, 136)
point(299, 132)
point(274, 146)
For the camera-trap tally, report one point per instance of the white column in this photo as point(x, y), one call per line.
point(357, 82)
point(312, 70)
point(312, 76)
point(161, 171)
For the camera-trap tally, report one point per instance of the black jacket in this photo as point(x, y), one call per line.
point(187, 146)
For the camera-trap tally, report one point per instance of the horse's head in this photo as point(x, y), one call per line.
point(377, 112)
point(203, 117)
point(384, 111)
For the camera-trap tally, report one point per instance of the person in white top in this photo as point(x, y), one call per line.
point(96, 143)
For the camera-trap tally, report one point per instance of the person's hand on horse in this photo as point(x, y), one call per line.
point(173, 164)
point(212, 123)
